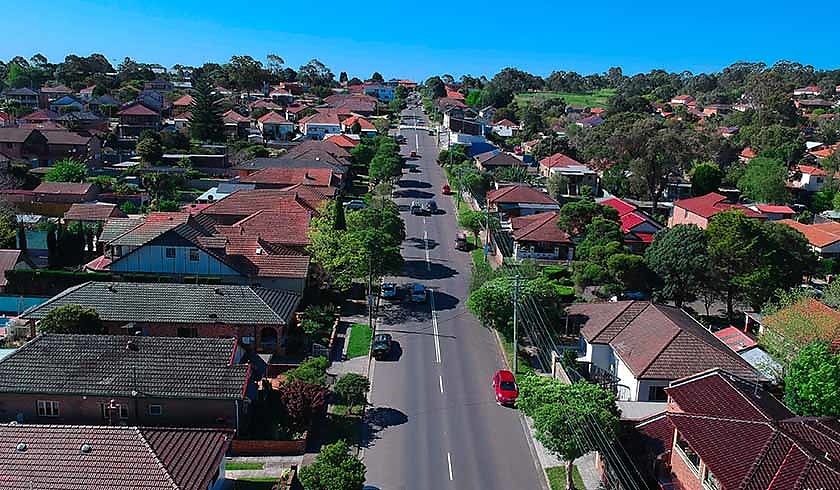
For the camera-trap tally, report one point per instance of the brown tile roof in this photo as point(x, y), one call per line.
point(98, 211)
point(498, 159)
point(272, 117)
point(712, 204)
point(328, 118)
point(319, 177)
point(287, 227)
point(14, 135)
point(657, 341)
point(137, 110)
point(560, 160)
point(65, 457)
point(183, 101)
point(326, 146)
point(541, 227)
point(64, 188)
point(232, 116)
point(519, 194)
point(64, 137)
point(245, 203)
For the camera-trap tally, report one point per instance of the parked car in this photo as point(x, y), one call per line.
point(381, 345)
point(430, 207)
point(355, 204)
point(504, 387)
point(461, 242)
point(418, 293)
point(388, 290)
point(446, 189)
point(416, 208)
point(413, 154)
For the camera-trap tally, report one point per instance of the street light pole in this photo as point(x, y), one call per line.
point(515, 311)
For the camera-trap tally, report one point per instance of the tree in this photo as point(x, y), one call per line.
point(352, 388)
point(149, 148)
point(71, 319)
point(67, 170)
point(706, 177)
point(312, 371)
point(316, 74)
point(377, 77)
point(303, 402)
point(246, 73)
point(206, 123)
point(335, 468)
point(812, 384)
point(563, 413)
point(557, 185)
point(473, 221)
point(764, 180)
point(679, 257)
point(577, 215)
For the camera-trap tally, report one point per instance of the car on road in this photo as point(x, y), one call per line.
point(504, 387)
point(430, 207)
point(413, 154)
point(400, 139)
point(446, 189)
point(419, 294)
point(389, 290)
point(416, 208)
point(381, 345)
point(461, 242)
point(355, 204)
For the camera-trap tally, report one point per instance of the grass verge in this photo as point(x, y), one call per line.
point(524, 366)
point(359, 343)
point(237, 465)
point(557, 478)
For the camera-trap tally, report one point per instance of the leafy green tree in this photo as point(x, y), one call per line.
point(71, 319)
point(473, 221)
point(352, 388)
point(149, 148)
point(67, 170)
point(206, 123)
point(679, 257)
point(557, 185)
point(577, 215)
point(812, 384)
point(312, 371)
point(492, 302)
point(764, 180)
point(705, 178)
point(335, 468)
point(564, 415)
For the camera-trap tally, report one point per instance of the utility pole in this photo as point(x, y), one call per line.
point(515, 338)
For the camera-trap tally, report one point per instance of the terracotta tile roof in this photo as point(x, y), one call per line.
point(324, 145)
point(506, 123)
point(818, 235)
point(57, 89)
point(774, 209)
point(289, 227)
point(100, 211)
point(154, 225)
point(712, 204)
point(97, 365)
point(183, 101)
point(343, 141)
point(40, 116)
point(246, 203)
point(320, 177)
point(272, 117)
point(541, 227)
point(822, 320)
point(364, 123)
point(657, 341)
point(825, 152)
point(64, 188)
point(64, 137)
point(735, 339)
point(269, 260)
point(232, 116)
point(174, 303)
point(559, 160)
point(14, 135)
point(327, 118)
point(119, 458)
point(137, 110)
point(8, 261)
point(748, 153)
point(811, 170)
point(516, 194)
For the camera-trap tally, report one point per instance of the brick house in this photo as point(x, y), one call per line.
point(577, 174)
point(93, 212)
point(638, 227)
point(99, 457)
point(520, 200)
point(111, 379)
point(538, 237)
point(256, 316)
point(63, 144)
point(23, 144)
point(699, 210)
point(721, 432)
point(137, 118)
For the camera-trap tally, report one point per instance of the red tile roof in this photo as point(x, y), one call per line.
point(287, 227)
point(823, 323)
point(810, 170)
point(137, 110)
point(657, 341)
point(99, 211)
point(515, 194)
point(748, 153)
point(818, 235)
point(62, 457)
point(285, 176)
point(245, 203)
point(541, 227)
point(232, 116)
point(712, 204)
point(63, 188)
point(735, 339)
point(631, 218)
point(506, 123)
point(183, 101)
point(40, 116)
point(560, 160)
point(364, 123)
point(272, 117)
point(453, 94)
point(328, 118)
point(774, 209)
point(343, 141)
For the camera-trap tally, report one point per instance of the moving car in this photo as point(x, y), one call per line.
point(504, 387)
point(418, 293)
point(381, 345)
point(430, 207)
point(389, 290)
point(416, 208)
point(446, 189)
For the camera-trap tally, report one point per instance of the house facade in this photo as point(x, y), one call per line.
point(577, 175)
point(273, 126)
point(138, 118)
point(537, 237)
point(520, 200)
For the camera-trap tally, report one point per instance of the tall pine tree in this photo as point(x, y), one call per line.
point(206, 123)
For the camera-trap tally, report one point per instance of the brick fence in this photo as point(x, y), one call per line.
point(268, 448)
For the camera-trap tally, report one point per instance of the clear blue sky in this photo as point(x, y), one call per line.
point(418, 39)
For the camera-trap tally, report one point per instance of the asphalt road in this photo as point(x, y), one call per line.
point(434, 422)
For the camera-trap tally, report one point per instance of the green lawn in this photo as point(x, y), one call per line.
point(597, 98)
point(235, 465)
point(524, 366)
point(359, 343)
point(557, 478)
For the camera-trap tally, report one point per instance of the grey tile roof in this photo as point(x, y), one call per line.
point(104, 365)
point(176, 303)
point(115, 227)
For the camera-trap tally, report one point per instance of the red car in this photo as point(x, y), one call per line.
point(446, 189)
point(504, 385)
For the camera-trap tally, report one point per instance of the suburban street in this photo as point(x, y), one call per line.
point(435, 423)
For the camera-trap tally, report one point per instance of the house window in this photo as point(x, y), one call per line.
point(193, 255)
point(170, 252)
point(47, 408)
point(657, 394)
point(688, 455)
point(117, 250)
point(155, 410)
point(122, 409)
point(189, 332)
point(710, 481)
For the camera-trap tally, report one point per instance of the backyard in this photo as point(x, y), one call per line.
point(597, 98)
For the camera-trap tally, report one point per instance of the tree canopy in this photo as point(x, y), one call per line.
point(67, 170)
point(71, 319)
point(812, 384)
point(680, 259)
point(335, 468)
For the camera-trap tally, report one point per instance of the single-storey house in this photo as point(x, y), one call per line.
point(699, 210)
point(537, 237)
point(823, 238)
point(493, 160)
point(520, 200)
point(273, 126)
point(638, 227)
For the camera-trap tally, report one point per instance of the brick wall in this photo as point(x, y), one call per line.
point(268, 448)
point(206, 330)
point(683, 473)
